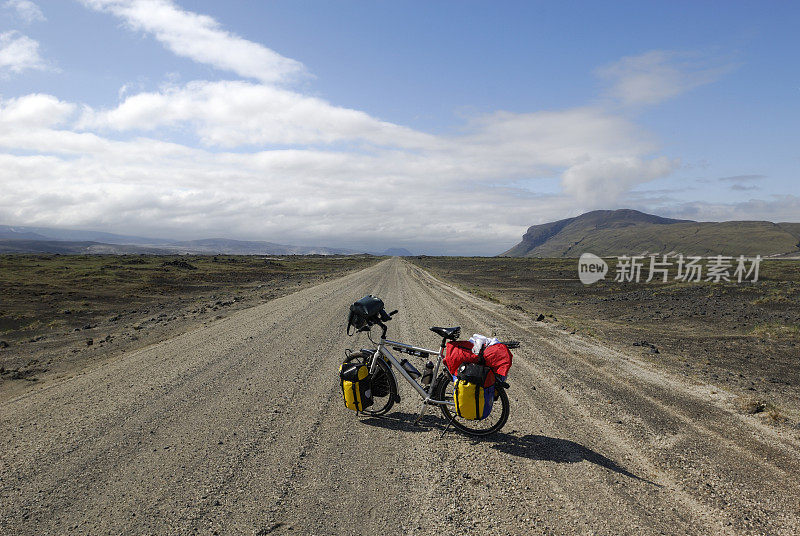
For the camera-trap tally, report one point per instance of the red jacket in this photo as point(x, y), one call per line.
point(497, 357)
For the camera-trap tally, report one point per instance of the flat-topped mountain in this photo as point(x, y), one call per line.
point(630, 232)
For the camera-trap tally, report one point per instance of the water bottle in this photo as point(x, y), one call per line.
point(411, 369)
point(427, 376)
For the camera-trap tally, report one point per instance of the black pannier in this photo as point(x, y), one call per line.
point(366, 312)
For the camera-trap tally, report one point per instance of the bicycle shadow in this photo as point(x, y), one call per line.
point(404, 422)
point(529, 446)
point(553, 449)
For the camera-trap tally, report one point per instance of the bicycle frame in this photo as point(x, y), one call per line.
point(425, 395)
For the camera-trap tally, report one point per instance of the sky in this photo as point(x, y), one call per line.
point(443, 127)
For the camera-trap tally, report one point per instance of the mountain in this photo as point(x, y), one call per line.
point(72, 235)
point(15, 239)
point(792, 228)
point(67, 247)
point(193, 247)
point(630, 232)
point(242, 247)
point(397, 252)
point(16, 233)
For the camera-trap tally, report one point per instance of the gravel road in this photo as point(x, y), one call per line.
point(237, 428)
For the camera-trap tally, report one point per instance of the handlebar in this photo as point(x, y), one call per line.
point(385, 317)
point(383, 328)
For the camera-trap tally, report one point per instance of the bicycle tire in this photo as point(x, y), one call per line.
point(382, 376)
point(476, 428)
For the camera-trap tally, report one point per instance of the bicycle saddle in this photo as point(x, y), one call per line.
point(447, 333)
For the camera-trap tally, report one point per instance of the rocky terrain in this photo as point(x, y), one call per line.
point(60, 314)
point(237, 427)
point(744, 337)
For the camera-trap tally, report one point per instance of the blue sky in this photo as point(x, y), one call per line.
point(383, 124)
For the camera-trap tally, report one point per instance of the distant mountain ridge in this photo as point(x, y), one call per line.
point(20, 239)
point(243, 247)
point(397, 252)
point(14, 232)
point(630, 232)
point(68, 247)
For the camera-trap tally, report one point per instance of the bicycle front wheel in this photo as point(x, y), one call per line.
point(483, 427)
point(384, 388)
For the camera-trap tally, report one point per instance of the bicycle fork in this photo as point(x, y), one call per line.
point(423, 408)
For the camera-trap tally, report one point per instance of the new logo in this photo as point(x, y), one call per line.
point(591, 268)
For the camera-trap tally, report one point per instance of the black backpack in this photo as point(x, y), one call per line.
point(365, 312)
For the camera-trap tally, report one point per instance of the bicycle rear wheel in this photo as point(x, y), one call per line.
point(484, 427)
point(384, 387)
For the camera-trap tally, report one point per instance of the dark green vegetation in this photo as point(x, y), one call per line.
point(54, 305)
point(741, 334)
point(629, 232)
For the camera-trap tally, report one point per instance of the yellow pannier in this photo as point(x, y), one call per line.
point(473, 391)
point(356, 386)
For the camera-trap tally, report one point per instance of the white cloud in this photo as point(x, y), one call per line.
point(26, 10)
point(19, 52)
point(520, 144)
point(742, 183)
point(34, 110)
point(270, 199)
point(409, 185)
point(201, 39)
point(659, 75)
point(236, 113)
point(740, 179)
point(602, 181)
point(319, 196)
point(390, 190)
point(776, 208)
point(498, 146)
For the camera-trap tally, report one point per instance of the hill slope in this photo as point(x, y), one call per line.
point(630, 232)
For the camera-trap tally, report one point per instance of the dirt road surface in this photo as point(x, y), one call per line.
point(237, 428)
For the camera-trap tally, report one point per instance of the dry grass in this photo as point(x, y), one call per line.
point(776, 331)
point(759, 406)
point(488, 296)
